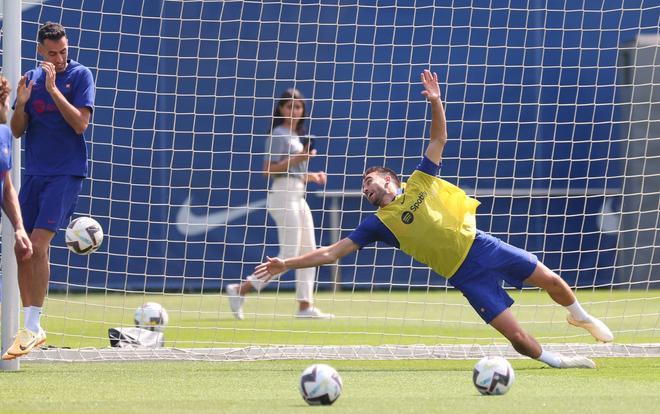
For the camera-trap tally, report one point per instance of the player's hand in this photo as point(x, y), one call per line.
point(269, 269)
point(431, 89)
point(23, 91)
point(23, 245)
point(319, 178)
point(49, 70)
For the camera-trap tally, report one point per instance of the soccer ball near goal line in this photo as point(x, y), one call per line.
point(493, 375)
point(83, 235)
point(320, 384)
point(151, 316)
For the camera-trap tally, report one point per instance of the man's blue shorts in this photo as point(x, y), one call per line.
point(489, 261)
point(47, 202)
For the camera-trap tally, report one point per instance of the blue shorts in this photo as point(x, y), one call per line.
point(479, 278)
point(47, 202)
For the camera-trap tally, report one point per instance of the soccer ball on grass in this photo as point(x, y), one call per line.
point(493, 375)
point(320, 384)
point(83, 235)
point(151, 316)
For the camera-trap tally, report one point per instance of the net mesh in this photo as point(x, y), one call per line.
point(552, 113)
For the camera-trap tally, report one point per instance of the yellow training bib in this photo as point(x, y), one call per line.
point(434, 222)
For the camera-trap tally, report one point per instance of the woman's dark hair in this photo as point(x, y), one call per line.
point(51, 31)
point(288, 95)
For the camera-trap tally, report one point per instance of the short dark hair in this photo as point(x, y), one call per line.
point(383, 171)
point(51, 31)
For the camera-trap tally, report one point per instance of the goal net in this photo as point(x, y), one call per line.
point(553, 122)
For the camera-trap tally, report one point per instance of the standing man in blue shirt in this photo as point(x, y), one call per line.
point(53, 106)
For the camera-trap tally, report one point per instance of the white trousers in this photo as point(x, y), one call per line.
point(295, 229)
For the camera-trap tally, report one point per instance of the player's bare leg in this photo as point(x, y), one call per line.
point(40, 262)
point(549, 281)
point(25, 278)
point(562, 294)
point(33, 276)
point(526, 344)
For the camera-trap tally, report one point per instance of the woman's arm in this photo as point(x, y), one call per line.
point(282, 166)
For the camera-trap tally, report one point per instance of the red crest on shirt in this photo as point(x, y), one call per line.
point(39, 106)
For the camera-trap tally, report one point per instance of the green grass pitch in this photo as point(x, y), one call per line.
point(618, 386)
point(371, 318)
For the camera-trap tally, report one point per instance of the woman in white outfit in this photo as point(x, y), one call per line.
point(286, 167)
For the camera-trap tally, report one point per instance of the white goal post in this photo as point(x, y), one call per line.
point(553, 122)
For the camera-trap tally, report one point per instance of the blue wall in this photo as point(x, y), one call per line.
point(185, 95)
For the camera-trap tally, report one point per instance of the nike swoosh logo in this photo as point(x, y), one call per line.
point(23, 348)
point(191, 224)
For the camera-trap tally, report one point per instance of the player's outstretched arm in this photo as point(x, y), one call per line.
point(438, 121)
point(323, 255)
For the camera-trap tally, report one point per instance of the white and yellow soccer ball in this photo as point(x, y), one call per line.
point(83, 235)
point(151, 316)
point(320, 384)
point(493, 375)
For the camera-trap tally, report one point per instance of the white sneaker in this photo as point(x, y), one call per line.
point(596, 328)
point(235, 300)
point(575, 362)
point(314, 313)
